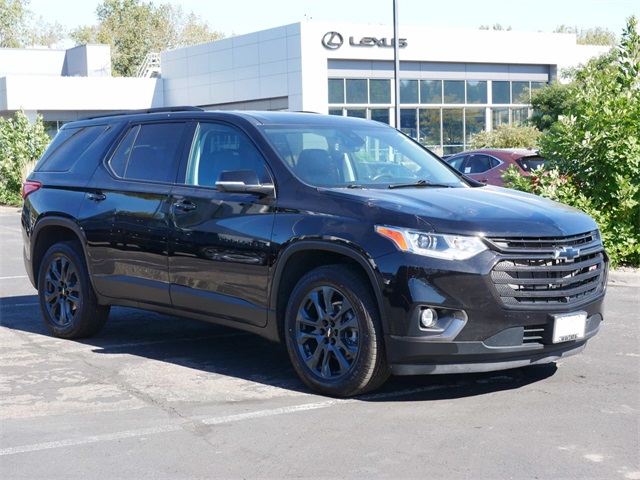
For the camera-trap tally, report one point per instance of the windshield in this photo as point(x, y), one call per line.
point(357, 156)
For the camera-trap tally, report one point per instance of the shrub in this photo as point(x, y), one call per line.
point(21, 145)
point(596, 146)
point(507, 136)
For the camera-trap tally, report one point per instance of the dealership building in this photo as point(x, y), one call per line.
point(453, 83)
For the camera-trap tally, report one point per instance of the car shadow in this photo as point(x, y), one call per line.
point(225, 351)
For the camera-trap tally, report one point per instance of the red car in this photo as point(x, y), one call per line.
point(488, 164)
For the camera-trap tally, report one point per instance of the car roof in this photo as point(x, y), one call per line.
point(514, 153)
point(254, 117)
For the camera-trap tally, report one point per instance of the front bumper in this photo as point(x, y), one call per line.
point(411, 355)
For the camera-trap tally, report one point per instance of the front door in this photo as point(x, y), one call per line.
point(220, 242)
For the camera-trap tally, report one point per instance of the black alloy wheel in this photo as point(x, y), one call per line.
point(67, 299)
point(333, 333)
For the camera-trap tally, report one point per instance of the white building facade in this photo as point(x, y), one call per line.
point(453, 83)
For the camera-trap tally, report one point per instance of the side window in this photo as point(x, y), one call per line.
point(120, 158)
point(220, 148)
point(69, 146)
point(479, 164)
point(457, 162)
point(148, 152)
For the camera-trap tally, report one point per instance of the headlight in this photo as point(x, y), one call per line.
point(450, 247)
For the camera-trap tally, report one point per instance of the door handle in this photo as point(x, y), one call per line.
point(97, 197)
point(184, 206)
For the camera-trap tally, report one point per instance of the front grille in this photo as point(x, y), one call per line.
point(544, 244)
point(541, 273)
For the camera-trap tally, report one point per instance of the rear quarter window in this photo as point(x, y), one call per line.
point(531, 163)
point(68, 147)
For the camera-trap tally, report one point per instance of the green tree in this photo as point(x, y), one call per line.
point(507, 136)
point(590, 36)
point(135, 28)
point(551, 102)
point(12, 23)
point(19, 28)
point(21, 145)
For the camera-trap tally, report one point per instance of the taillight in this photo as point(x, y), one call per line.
point(29, 187)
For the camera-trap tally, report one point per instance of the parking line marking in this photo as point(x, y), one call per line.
point(273, 412)
point(212, 421)
point(13, 278)
point(87, 440)
point(7, 305)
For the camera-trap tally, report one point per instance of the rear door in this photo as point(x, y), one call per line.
point(220, 242)
point(126, 213)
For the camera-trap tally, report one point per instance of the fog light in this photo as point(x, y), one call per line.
point(428, 317)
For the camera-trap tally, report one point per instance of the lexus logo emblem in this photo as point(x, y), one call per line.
point(332, 40)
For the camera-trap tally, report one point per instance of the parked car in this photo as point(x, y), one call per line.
point(342, 238)
point(487, 165)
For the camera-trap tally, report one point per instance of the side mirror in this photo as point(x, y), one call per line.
point(243, 181)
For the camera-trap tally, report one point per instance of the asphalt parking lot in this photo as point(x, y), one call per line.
point(159, 397)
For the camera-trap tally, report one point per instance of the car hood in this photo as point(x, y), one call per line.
point(491, 211)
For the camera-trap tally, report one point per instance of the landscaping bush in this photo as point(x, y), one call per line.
point(21, 145)
point(594, 150)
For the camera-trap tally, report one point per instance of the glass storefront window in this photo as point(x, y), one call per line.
point(430, 127)
point(50, 127)
point(357, 112)
point(357, 90)
point(450, 150)
point(474, 122)
point(335, 111)
point(336, 90)
point(408, 121)
point(476, 91)
point(520, 92)
point(501, 92)
point(408, 91)
point(519, 115)
point(537, 85)
point(452, 127)
point(500, 117)
point(380, 91)
point(431, 91)
point(380, 115)
point(453, 91)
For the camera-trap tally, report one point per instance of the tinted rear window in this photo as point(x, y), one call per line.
point(148, 152)
point(531, 163)
point(69, 146)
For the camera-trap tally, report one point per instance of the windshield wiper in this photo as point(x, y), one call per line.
point(419, 183)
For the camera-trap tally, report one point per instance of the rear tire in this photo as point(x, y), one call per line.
point(333, 333)
point(67, 300)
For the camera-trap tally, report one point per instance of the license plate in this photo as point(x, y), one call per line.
point(569, 327)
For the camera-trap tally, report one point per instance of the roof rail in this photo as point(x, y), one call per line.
point(148, 110)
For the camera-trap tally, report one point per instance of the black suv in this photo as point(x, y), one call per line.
point(357, 247)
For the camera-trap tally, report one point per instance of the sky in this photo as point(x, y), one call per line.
point(244, 16)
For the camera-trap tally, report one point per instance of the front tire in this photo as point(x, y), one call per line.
point(67, 300)
point(333, 333)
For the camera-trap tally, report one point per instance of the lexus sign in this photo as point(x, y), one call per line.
point(334, 40)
